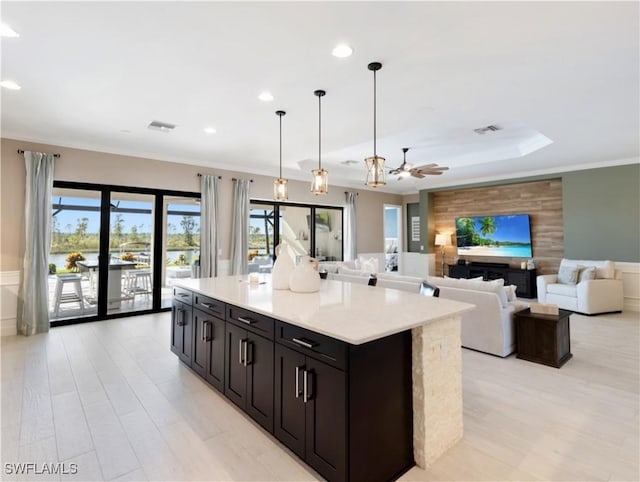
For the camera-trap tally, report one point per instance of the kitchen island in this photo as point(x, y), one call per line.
point(358, 381)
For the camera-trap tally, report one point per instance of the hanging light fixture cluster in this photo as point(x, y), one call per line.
point(320, 181)
point(280, 185)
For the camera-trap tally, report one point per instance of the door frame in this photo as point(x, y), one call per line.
point(105, 191)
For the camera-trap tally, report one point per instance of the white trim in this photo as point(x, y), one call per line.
point(9, 283)
point(631, 284)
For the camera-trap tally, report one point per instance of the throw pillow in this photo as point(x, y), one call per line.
point(606, 270)
point(587, 274)
point(511, 292)
point(568, 275)
point(369, 265)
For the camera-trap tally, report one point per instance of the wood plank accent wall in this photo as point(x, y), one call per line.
point(541, 200)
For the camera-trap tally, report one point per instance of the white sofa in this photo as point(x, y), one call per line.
point(489, 327)
point(604, 294)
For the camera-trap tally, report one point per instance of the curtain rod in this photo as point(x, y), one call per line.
point(21, 151)
point(352, 192)
point(235, 179)
point(200, 175)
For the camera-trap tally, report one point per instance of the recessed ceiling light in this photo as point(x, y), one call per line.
point(265, 96)
point(6, 31)
point(210, 130)
point(10, 84)
point(342, 51)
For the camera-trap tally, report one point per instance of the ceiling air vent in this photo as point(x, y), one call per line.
point(484, 130)
point(161, 126)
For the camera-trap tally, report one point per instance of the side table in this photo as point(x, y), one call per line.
point(543, 338)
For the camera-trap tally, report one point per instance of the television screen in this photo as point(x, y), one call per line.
point(503, 235)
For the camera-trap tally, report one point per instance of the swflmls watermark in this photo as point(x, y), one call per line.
point(32, 468)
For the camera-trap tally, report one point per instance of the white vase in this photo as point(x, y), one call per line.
point(282, 268)
point(305, 277)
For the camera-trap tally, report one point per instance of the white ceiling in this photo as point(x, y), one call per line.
point(562, 79)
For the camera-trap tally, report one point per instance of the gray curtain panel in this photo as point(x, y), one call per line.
point(350, 244)
point(240, 227)
point(208, 226)
point(33, 295)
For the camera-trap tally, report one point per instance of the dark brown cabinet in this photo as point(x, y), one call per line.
point(181, 331)
point(346, 410)
point(523, 279)
point(311, 411)
point(336, 404)
point(208, 348)
point(248, 377)
point(543, 338)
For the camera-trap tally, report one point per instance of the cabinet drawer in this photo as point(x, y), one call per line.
point(209, 305)
point(185, 296)
point(320, 347)
point(254, 322)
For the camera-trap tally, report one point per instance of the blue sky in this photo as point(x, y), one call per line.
point(143, 222)
point(513, 228)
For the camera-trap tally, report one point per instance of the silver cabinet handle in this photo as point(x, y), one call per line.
point(240, 360)
point(297, 382)
point(304, 343)
point(182, 317)
point(205, 337)
point(246, 349)
point(211, 334)
point(208, 305)
point(304, 386)
point(183, 295)
point(248, 321)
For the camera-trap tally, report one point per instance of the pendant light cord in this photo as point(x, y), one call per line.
point(319, 132)
point(280, 147)
point(375, 154)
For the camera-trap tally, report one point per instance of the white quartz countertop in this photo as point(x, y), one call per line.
point(350, 312)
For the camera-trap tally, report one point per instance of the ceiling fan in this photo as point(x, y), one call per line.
point(406, 169)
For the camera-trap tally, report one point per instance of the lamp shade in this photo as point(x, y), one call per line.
point(443, 240)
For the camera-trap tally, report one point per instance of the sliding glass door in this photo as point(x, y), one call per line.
point(116, 250)
point(181, 243)
point(75, 243)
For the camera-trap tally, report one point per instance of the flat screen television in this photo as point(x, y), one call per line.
point(502, 235)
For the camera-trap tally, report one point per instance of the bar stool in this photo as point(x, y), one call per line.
point(138, 283)
point(68, 297)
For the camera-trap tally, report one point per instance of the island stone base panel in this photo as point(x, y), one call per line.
point(437, 389)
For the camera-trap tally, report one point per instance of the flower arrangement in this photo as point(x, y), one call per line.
point(127, 257)
point(182, 260)
point(72, 259)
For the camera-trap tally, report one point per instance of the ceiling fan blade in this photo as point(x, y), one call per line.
point(417, 174)
point(426, 166)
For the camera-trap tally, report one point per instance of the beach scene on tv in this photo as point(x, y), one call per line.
point(507, 236)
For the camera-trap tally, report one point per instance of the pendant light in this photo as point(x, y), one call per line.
point(320, 182)
point(280, 188)
point(375, 164)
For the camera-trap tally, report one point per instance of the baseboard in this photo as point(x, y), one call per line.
point(9, 284)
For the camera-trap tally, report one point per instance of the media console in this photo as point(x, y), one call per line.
point(523, 279)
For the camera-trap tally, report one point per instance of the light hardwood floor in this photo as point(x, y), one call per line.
point(111, 398)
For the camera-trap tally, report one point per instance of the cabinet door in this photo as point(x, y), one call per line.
point(235, 374)
point(181, 331)
point(289, 407)
point(215, 363)
point(259, 362)
point(326, 425)
point(201, 346)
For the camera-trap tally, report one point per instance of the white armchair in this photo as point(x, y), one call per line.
point(589, 296)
